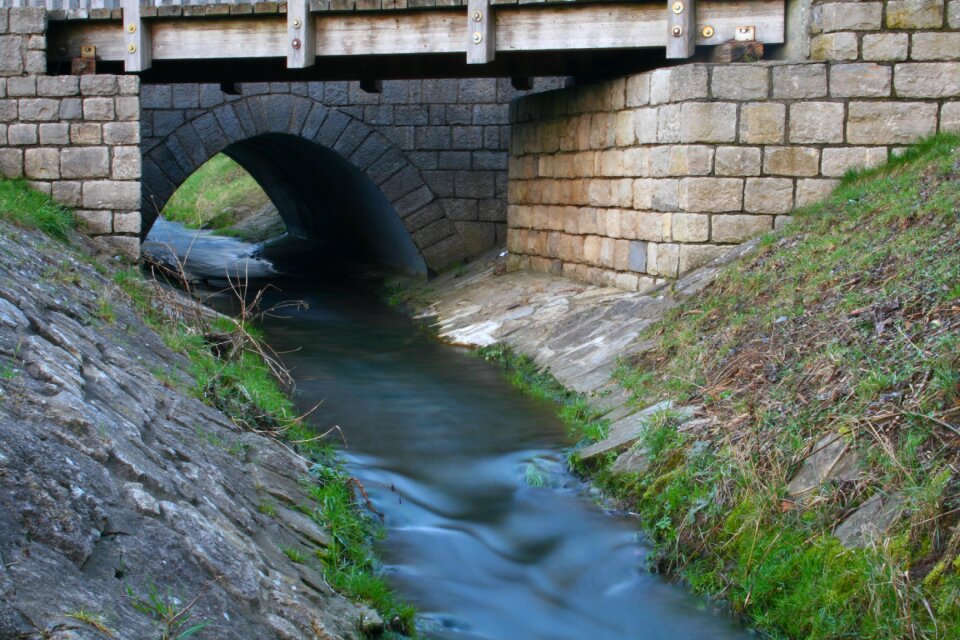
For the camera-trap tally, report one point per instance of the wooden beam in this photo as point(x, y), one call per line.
point(481, 32)
point(137, 41)
point(518, 28)
point(302, 35)
point(681, 28)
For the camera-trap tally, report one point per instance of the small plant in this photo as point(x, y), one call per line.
point(8, 369)
point(175, 619)
point(105, 310)
point(295, 555)
point(267, 509)
point(535, 476)
point(91, 619)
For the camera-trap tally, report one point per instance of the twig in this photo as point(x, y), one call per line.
point(933, 419)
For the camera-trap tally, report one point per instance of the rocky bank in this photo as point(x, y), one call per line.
point(114, 485)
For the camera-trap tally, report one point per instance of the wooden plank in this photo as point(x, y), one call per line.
point(301, 34)
point(538, 28)
point(681, 28)
point(137, 42)
point(481, 32)
point(437, 31)
point(521, 27)
point(198, 39)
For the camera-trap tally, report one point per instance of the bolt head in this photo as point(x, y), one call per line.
point(677, 31)
point(477, 16)
point(677, 7)
point(132, 48)
point(477, 37)
point(707, 31)
point(296, 23)
point(132, 28)
point(295, 43)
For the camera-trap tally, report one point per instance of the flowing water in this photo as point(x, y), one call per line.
point(487, 533)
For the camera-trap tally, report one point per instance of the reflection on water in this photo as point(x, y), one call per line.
point(446, 450)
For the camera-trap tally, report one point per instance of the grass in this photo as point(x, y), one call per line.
point(573, 408)
point(216, 196)
point(847, 322)
point(24, 207)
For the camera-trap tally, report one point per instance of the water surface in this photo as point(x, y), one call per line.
point(487, 533)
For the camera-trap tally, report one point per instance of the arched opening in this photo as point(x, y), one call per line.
point(321, 197)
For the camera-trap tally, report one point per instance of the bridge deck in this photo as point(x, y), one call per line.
point(394, 38)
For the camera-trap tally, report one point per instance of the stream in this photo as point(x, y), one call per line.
point(487, 532)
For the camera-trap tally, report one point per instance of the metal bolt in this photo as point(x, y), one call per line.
point(677, 7)
point(477, 37)
point(296, 23)
point(677, 31)
point(296, 43)
point(707, 31)
point(132, 48)
point(477, 16)
point(132, 27)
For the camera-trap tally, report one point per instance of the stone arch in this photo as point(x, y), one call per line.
point(327, 172)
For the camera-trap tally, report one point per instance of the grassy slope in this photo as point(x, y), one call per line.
point(847, 322)
point(243, 386)
point(216, 196)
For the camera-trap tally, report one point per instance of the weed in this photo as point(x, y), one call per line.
point(8, 369)
point(95, 620)
point(267, 509)
point(105, 309)
point(295, 555)
point(534, 476)
point(174, 618)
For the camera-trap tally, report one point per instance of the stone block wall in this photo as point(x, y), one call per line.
point(455, 132)
point(635, 180)
point(73, 137)
point(890, 31)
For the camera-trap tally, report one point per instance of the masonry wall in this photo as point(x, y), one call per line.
point(75, 138)
point(638, 179)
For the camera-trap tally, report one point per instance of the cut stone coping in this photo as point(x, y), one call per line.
point(873, 519)
point(831, 459)
point(630, 429)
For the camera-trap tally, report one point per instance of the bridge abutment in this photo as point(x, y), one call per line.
point(626, 182)
point(636, 180)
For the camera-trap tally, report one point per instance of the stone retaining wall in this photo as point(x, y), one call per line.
point(75, 138)
point(637, 179)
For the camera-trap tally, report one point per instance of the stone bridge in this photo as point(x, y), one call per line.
point(624, 181)
point(413, 177)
